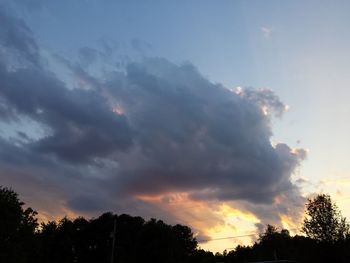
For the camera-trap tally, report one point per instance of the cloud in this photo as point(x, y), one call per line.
point(87, 55)
point(266, 31)
point(81, 124)
point(154, 128)
point(16, 39)
point(205, 139)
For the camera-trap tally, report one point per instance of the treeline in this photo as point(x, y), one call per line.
point(279, 245)
point(133, 239)
point(136, 240)
point(22, 239)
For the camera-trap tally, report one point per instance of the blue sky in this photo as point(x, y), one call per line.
point(297, 49)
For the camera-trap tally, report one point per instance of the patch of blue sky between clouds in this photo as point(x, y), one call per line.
point(23, 130)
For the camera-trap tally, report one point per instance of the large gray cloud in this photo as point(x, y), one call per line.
point(80, 122)
point(197, 136)
point(152, 128)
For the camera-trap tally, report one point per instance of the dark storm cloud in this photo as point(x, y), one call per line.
point(193, 135)
point(153, 128)
point(81, 124)
point(89, 203)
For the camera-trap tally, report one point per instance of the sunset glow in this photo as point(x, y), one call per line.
point(224, 116)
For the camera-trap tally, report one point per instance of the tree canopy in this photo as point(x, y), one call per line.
point(139, 240)
point(324, 221)
point(17, 228)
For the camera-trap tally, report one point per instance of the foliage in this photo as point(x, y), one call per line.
point(138, 240)
point(202, 256)
point(17, 228)
point(324, 221)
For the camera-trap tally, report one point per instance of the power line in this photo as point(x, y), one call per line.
point(223, 238)
point(233, 237)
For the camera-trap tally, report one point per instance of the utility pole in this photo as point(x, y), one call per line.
point(275, 254)
point(113, 242)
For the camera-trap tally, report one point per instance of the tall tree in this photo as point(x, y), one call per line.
point(324, 221)
point(17, 228)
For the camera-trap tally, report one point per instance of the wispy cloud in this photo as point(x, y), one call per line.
point(266, 31)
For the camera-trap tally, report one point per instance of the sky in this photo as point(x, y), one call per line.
point(221, 115)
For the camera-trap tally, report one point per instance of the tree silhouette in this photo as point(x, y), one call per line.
point(17, 228)
point(324, 221)
point(137, 240)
